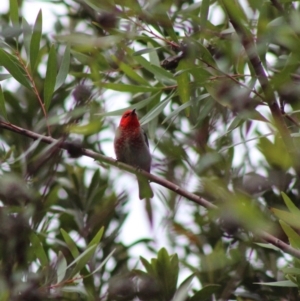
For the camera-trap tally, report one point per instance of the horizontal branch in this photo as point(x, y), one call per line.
point(163, 182)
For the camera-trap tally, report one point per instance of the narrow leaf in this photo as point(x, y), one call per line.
point(157, 109)
point(70, 243)
point(182, 292)
point(292, 235)
point(63, 69)
point(183, 82)
point(61, 267)
point(103, 262)
point(131, 73)
point(129, 88)
point(50, 78)
point(82, 260)
point(288, 217)
point(294, 271)
point(87, 129)
point(154, 59)
point(204, 13)
point(97, 238)
point(27, 34)
point(11, 64)
point(161, 74)
point(35, 40)
point(39, 250)
point(14, 12)
point(284, 283)
point(291, 206)
point(2, 104)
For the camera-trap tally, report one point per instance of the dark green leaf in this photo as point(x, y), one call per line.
point(35, 40)
point(183, 82)
point(39, 250)
point(63, 69)
point(97, 238)
point(2, 104)
point(129, 88)
point(70, 243)
point(82, 260)
point(14, 12)
point(12, 65)
point(27, 35)
point(206, 292)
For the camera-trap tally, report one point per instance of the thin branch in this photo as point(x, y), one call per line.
point(36, 92)
point(190, 196)
point(251, 51)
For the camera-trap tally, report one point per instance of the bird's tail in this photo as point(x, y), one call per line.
point(145, 190)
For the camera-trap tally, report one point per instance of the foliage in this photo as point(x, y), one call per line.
point(193, 70)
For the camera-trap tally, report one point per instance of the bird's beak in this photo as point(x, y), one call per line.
point(133, 112)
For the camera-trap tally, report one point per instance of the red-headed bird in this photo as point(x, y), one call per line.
point(132, 147)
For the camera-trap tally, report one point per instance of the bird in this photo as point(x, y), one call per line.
point(132, 147)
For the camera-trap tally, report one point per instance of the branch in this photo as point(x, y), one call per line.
point(251, 51)
point(67, 145)
point(165, 183)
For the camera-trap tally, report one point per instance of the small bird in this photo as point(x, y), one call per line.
point(132, 147)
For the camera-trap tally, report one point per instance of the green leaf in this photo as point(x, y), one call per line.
point(154, 59)
point(294, 271)
point(292, 235)
point(82, 260)
point(2, 104)
point(206, 56)
point(89, 42)
point(183, 82)
point(129, 88)
point(268, 246)
point(102, 263)
point(146, 50)
point(12, 65)
point(236, 122)
point(14, 12)
point(27, 35)
point(174, 113)
point(132, 73)
point(35, 40)
point(63, 69)
point(50, 78)
point(61, 267)
point(290, 218)
point(38, 250)
point(156, 110)
point(149, 268)
point(182, 292)
point(206, 292)
point(91, 128)
point(284, 283)
point(70, 243)
point(160, 74)
point(97, 238)
point(291, 206)
point(204, 13)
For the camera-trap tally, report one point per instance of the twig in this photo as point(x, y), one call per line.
point(250, 48)
point(192, 197)
point(36, 92)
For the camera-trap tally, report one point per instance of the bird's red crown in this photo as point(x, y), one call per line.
point(129, 119)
